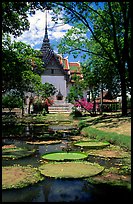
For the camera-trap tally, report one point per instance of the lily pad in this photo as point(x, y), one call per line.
point(45, 142)
point(62, 156)
point(108, 153)
point(13, 152)
point(70, 169)
point(19, 176)
point(92, 144)
point(112, 151)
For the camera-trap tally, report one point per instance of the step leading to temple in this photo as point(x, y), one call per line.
point(60, 107)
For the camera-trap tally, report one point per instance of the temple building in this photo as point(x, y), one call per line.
point(57, 70)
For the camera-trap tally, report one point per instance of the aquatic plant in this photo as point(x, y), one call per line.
point(63, 156)
point(70, 169)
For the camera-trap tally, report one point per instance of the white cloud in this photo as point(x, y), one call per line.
point(34, 36)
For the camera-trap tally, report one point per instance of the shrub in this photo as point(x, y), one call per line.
point(11, 101)
point(75, 112)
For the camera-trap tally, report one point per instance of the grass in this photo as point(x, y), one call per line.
point(112, 137)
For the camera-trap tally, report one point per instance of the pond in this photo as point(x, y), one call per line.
point(64, 190)
point(50, 189)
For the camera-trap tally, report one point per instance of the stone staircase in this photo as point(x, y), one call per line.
point(60, 107)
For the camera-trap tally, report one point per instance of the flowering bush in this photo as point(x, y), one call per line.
point(39, 104)
point(84, 104)
point(48, 101)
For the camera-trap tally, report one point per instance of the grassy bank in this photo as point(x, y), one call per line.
point(112, 137)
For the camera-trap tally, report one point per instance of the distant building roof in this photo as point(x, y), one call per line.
point(107, 98)
point(106, 101)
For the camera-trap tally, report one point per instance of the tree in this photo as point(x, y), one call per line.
point(19, 66)
point(18, 60)
point(45, 90)
point(11, 100)
point(15, 16)
point(76, 91)
point(110, 28)
point(43, 100)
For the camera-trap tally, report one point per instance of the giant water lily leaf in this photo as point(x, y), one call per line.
point(70, 169)
point(19, 176)
point(45, 142)
point(16, 152)
point(61, 156)
point(92, 144)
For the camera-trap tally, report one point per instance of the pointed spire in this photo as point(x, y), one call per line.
point(46, 43)
point(46, 32)
point(47, 51)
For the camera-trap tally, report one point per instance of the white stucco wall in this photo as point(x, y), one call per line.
point(58, 81)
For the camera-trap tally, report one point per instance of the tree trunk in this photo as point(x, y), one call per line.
point(22, 96)
point(101, 102)
point(29, 107)
point(123, 92)
point(22, 110)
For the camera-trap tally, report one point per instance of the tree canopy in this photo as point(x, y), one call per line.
point(15, 16)
point(19, 61)
point(102, 32)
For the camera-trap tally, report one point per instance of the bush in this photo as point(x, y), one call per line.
point(11, 101)
point(75, 112)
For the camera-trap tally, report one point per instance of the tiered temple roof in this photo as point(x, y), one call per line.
point(68, 68)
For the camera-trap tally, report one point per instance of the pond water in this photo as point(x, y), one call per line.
point(64, 190)
point(56, 190)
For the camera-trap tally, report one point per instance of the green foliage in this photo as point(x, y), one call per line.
point(62, 156)
point(45, 90)
point(14, 17)
point(38, 106)
point(70, 169)
point(102, 35)
point(17, 66)
point(76, 91)
point(9, 119)
point(11, 100)
point(82, 124)
point(75, 112)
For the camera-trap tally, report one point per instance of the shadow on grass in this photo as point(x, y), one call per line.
point(109, 120)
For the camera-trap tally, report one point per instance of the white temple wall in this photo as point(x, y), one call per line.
point(58, 81)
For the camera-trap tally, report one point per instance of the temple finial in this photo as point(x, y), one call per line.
point(46, 43)
point(46, 32)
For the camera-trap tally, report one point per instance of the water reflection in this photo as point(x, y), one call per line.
point(52, 147)
point(27, 194)
point(52, 190)
point(67, 190)
point(58, 190)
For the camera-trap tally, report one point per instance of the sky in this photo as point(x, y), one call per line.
point(34, 36)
